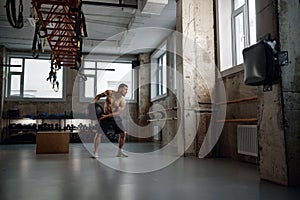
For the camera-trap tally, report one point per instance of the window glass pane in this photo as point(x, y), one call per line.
point(164, 58)
point(225, 34)
point(159, 81)
point(16, 61)
point(164, 82)
point(15, 85)
point(154, 73)
point(115, 74)
point(164, 73)
point(174, 63)
point(36, 71)
point(238, 3)
point(89, 86)
point(239, 37)
point(252, 21)
point(91, 66)
point(174, 73)
point(159, 76)
point(158, 73)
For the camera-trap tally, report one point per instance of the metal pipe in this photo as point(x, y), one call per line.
point(7, 65)
point(99, 69)
point(120, 5)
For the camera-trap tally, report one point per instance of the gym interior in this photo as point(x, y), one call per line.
point(212, 106)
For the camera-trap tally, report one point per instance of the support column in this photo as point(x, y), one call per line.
point(272, 154)
point(289, 31)
point(195, 22)
point(144, 91)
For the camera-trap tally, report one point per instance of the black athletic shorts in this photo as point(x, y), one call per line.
point(114, 123)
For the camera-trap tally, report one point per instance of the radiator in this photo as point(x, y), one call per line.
point(247, 140)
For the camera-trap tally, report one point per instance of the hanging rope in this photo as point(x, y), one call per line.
point(11, 14)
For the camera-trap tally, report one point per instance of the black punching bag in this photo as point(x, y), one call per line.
point(95, 110)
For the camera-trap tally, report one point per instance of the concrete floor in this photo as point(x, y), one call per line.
point(26, 176)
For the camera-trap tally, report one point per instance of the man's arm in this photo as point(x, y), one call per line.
point(103, 94)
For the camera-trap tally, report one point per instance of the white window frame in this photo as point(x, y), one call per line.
point(9, 97)
point(159, 86)
point(227, 36)
point(83, 98)
point(245, 38)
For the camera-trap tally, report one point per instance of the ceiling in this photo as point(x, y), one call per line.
point(111, 29)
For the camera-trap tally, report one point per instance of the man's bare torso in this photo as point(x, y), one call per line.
point(114, 102)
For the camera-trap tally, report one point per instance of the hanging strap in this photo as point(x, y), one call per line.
point(36, 41)
point(53, 75)
point(11, 14)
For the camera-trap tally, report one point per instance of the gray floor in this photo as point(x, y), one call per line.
point(27, 176)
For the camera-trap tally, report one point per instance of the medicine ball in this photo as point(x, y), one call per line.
point(95, 110)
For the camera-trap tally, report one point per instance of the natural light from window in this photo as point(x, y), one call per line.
point(29, 81)
point(237, 30)
point(102, 76)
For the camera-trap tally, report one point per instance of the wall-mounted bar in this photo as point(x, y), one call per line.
point(238, 100)
point(203, 111)
point(204, 103)
point(162, 110)
point(249, 120)
point(238, 120)
point(163, 119)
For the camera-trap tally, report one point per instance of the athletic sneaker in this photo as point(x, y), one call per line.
point(95, 155)
point(122, 154)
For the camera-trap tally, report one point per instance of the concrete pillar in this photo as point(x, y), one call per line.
point(195, 22)
point(272, 155)
point(144, 89)
point(289, 31)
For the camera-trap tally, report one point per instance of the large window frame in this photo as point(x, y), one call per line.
point(21, 73)
point(93, 70)
point(159, 73)
point(240, 33)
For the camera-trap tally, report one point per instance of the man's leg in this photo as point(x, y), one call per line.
point(122, 139)
point(97, 141)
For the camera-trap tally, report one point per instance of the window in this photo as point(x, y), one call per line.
point(237, 30)
point(159, 73)
point(27, 80)
point(102, 76)
point(174, 54)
